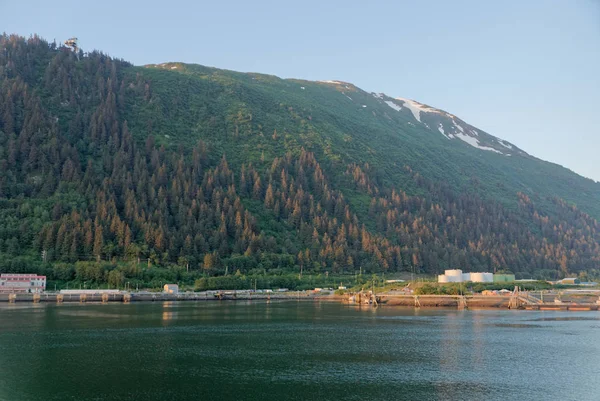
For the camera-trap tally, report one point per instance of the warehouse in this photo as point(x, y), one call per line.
point(22, 283)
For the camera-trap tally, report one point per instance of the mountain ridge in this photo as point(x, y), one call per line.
point(413, 105)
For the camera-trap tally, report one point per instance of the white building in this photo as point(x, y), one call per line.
point(171, 289)
point(13, 283)
point(457, 276)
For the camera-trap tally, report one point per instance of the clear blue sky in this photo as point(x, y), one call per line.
point(525, 71)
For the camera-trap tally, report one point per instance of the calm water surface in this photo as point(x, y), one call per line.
point(294, 351)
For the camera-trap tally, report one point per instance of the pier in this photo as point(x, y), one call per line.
point(105, 297)
point(516, 299)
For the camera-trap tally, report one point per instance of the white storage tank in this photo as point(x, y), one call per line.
point(466, 276)
point(477, 277)
point(482, 277)
point(454, 276)
point(442, 278)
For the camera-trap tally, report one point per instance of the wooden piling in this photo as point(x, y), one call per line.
point(462, 303)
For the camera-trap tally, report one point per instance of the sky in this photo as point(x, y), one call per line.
point(525, 71)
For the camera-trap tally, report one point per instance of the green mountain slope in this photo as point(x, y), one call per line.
point(347, 124)
point(185, 165)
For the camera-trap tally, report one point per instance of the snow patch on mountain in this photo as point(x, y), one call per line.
point(441, 129)
point(454, 128)
point(475, 143)
point(458, 127)
point(416, 108)
point(393, 105)
point(412, 106)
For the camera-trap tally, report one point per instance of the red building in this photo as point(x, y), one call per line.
point(19, 283)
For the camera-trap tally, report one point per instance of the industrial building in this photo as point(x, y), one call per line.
point(457, 276)
point(22, 283)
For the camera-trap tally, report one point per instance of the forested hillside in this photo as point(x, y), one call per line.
point(110, 172)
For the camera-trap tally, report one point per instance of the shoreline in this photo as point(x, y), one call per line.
point(384, 300)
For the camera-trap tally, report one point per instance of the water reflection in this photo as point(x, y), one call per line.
point(168, 313)
point(478, 348)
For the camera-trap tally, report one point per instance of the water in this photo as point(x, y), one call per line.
point(294, 351)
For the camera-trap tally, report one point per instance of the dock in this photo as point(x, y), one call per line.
point(128, 297)
point(516, 299)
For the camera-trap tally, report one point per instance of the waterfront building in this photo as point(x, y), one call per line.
point(171, 289)
point(457, 276)
point(22, 283)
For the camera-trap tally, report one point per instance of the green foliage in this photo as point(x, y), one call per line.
point(435, 289)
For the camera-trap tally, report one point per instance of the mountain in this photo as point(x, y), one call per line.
point(212, 171)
